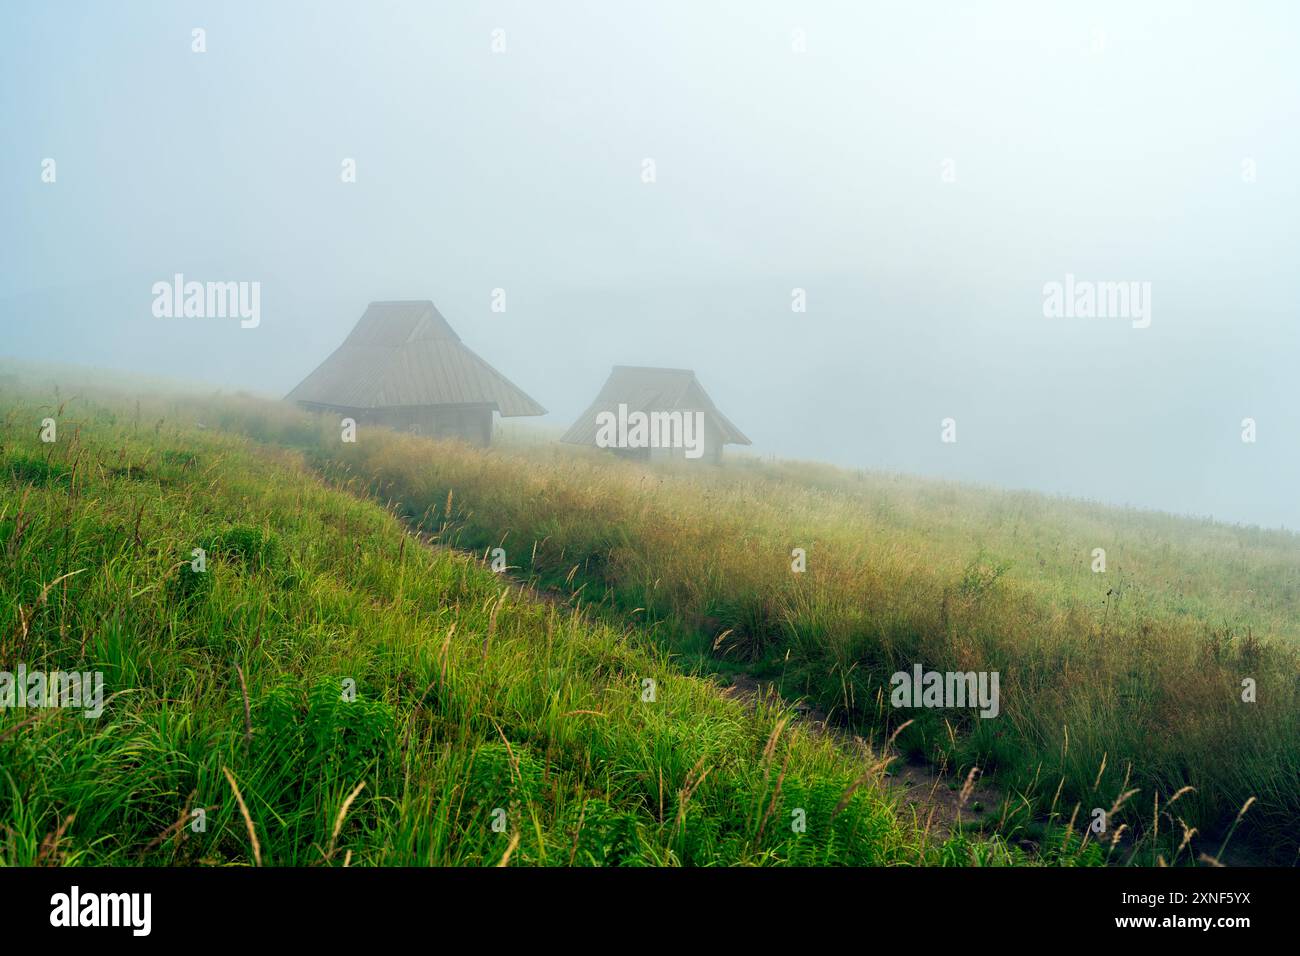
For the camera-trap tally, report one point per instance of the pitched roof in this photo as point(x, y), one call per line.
point(403, 354)
point(651, 389)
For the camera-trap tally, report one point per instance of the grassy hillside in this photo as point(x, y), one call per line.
point(227, 690)
point(1122, 682)
point(1119, 690)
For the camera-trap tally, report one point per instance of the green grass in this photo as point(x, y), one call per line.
point(1111, 683)
point(324, 648)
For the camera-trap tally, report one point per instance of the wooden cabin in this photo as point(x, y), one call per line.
point(657, 392)
point(404, 367)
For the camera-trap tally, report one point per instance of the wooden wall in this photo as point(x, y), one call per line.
point(469, 423)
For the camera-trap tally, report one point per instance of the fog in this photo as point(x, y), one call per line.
point(920, 171)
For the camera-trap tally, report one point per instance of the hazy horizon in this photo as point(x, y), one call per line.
point(920, 173)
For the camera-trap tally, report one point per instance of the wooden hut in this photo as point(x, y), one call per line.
point(404, 367)
point(660, 397)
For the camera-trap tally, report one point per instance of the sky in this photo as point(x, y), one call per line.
point(922, 172)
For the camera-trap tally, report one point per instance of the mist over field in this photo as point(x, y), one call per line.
point(699, 435)
point(920, 173)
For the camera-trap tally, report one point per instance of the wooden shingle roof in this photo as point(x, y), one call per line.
point(651, 390)
point(405, 354)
